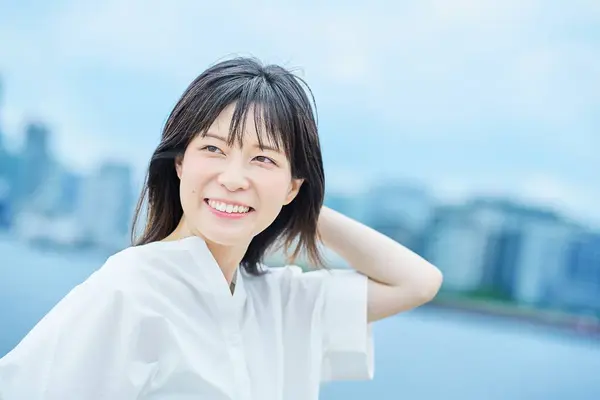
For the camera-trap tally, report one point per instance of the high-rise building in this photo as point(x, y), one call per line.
point(58, 195)
point(500, 247)
point(578, 288)
point(526, 251)
point(456, 244)
point(530, 258)
point(34, 166)
point(106, 205)
point(8, 165)
point(5, 185)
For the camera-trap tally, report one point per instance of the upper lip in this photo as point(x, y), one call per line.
point(233, 203)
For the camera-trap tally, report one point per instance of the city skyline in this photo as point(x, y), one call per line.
point(426, 193)
point(338, 187)
point(526, 254)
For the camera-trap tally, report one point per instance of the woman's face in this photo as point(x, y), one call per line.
point(230, 194)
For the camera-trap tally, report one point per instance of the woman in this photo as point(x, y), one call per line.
point(190, 311)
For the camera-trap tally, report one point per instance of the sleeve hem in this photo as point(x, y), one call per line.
point(348, 337)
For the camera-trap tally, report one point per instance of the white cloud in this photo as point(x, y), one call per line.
point(556, 83)
point(179, 39)
point(431, 58)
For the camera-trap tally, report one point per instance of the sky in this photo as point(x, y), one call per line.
point(466, 96)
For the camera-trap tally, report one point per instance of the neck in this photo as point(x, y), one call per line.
point(227, 257)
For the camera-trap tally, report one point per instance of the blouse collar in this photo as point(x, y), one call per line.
point(210, 270)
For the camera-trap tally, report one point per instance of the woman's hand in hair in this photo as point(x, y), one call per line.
point(399, 279)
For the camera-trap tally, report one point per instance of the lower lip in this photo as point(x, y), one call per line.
point(223, 214)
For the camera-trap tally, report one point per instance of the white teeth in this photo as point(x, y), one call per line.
point(228, 208)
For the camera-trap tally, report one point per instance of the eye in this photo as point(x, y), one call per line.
point(264, 159)
point(212, 149)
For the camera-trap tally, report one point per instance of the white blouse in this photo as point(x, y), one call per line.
point(158, 321)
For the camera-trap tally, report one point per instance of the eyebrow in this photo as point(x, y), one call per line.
point(258, 146)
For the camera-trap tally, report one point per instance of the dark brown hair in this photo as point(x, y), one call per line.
point(282, 107)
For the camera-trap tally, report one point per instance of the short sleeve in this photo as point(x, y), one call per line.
point(348, 337)
point(79, 350)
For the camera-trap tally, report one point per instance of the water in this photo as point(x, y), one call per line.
point(424, 354)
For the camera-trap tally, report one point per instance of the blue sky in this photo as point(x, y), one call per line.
point(464, 96)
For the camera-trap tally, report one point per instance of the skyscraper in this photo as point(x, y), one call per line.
point(578, 288)
point(7, 174)
point(526, 252)
point(106, 205)
point(34, 165)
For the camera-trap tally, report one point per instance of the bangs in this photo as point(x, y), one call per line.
point(272, 116)
point(280, 113)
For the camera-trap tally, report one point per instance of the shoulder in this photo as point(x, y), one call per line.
point(134, 255)
point(162, 273)
point(121, 263)
point(125, 271)
point(136, 278)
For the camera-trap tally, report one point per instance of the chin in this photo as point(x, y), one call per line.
point(226, 237)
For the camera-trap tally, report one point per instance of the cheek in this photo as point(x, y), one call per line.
point(191, 177)
point(275, 190)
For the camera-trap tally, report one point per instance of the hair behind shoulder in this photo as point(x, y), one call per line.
point(287, 111)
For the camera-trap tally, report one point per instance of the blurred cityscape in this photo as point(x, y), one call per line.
point(488, 248)
point(45, 203)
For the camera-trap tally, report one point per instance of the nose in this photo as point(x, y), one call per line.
point(233, 176)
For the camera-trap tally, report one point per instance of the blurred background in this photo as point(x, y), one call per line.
point(467, 130)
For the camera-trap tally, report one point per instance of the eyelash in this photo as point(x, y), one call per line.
point(271, 161)
point(214, 147)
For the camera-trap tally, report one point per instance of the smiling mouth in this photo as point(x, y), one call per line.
point(227, 207)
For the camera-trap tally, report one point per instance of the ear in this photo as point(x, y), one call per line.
point(178, 161)
point(294, 189)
